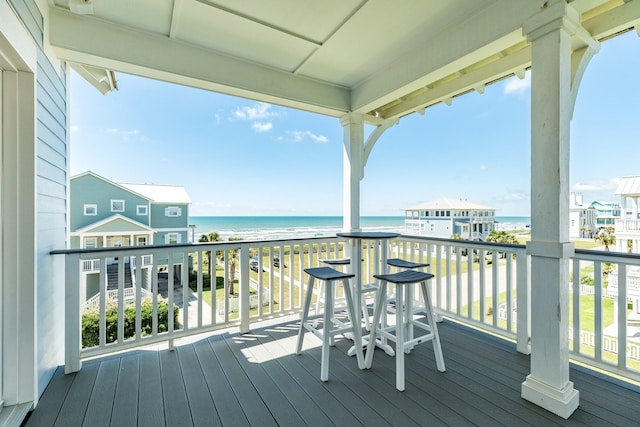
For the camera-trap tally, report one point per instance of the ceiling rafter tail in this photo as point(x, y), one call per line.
point(260, 22)
point(488, 74)
point(175, 15)
point(614, 21)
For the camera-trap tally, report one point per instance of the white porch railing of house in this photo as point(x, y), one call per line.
point(112, 294)
point(474, 283)
point(90, 265)
point(623, 225)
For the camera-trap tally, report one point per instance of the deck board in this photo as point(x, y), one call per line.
point(125, 404)
point(151, 407)
point(256, 379)
point(101, 401)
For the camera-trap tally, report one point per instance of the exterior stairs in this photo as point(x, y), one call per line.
point(112, 276)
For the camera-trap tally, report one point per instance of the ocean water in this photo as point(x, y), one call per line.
point(283, 227)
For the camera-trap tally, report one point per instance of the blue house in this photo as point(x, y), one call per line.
point(446, 217)
point(106, 214)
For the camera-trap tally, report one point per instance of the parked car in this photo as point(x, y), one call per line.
point(254, 264)
point(276, 262)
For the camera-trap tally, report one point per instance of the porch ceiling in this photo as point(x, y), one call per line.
point(366, 56)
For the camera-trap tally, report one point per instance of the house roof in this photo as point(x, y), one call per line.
point(161, 193)
point(449, 203)
point(374, 57)
point(114, 223)
point(154, 193)
point(629, 186)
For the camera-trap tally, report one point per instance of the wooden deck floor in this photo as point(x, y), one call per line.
point(256, 379)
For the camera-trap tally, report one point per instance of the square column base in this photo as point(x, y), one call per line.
point(562, 402)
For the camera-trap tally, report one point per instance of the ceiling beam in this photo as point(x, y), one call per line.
point(91, 41)
point(494, 29)
point(616, 20)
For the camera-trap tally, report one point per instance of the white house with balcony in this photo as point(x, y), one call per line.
point(446, 217)
point(628, 223)
point(582, 217)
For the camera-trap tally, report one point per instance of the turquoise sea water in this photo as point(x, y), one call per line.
point(276, 227)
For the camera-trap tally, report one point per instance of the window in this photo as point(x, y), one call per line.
point(141, 240)
point(117, 205)
point(173, 211)
point(142, 210)
point(90, 242)
point(172, 238)
point(432, 227)
point(91, 210)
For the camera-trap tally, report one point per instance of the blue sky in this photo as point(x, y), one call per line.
point(239, 157)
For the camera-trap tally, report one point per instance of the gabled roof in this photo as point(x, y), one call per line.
point(154, 193)
point(629, 186)
point(448, 203)
point(115, 184)
point(161, 193)
point(115, 222)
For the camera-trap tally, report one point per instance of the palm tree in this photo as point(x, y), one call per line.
point(606, 237)
point(232, 257)
point(210, 237)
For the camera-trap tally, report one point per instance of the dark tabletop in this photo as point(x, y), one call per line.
point(367, 235)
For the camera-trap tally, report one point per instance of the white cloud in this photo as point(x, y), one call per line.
point(517, 86)
point(611, 185)
point(484, 167)
point(300, 135)
point(75, 128)
point(260, 110)
point(112, 130)
point(262, 127)
point(133, 132)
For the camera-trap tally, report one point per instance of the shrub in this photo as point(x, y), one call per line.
point(91, 320)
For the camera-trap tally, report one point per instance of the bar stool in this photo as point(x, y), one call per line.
point(404, 281)
point(400, 263)
point(364, 290)
point(330, 325)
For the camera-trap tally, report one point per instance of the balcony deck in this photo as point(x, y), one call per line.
point(256, 379)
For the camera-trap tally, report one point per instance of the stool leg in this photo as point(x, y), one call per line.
point(437, 348)
point(409, 313)
point(355, 324)
point(326, 330)
point(400, 337)
point(380, 304)
point(305, 314)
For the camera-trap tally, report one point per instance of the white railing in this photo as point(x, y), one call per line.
point(627, 225)
point(90, 265)
point(475, 282)
point(599, 323)
point(112, 295)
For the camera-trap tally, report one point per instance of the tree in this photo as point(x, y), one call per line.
point(501, 237)
point(232, 258)
point(606, 237)
point(210, 237)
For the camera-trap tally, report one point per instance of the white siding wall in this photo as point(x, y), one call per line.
point(51, 164)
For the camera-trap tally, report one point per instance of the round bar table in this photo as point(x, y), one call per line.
point(355, 238)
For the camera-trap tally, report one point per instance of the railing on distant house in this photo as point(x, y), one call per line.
point(478, 283)
point(112, 295)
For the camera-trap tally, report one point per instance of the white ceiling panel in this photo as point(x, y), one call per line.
point(233, 34)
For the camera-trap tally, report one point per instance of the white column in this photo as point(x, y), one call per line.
point(353, 169)
point(548, 383)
